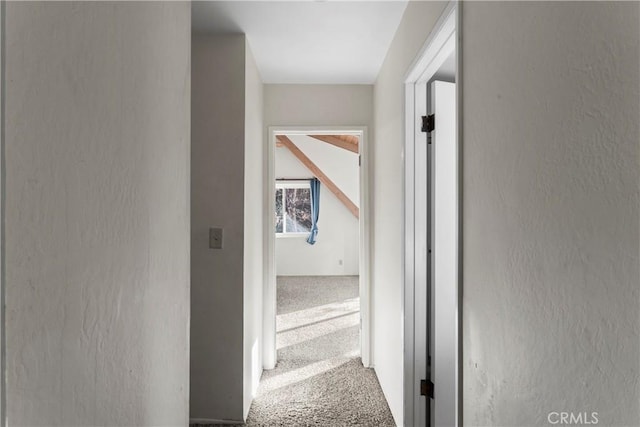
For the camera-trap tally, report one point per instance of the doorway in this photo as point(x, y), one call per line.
point(293, 142)
point(432, 231)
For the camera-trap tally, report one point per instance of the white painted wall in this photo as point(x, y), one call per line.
point(550, 211)
point(97, 220)
point(254, 161)
point(217, 200)
point(226, 191)
point(2, 192)
point(338, 231)
point(318, 105)
point(388, 246)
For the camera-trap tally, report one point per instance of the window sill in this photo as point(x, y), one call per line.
point(291, 235)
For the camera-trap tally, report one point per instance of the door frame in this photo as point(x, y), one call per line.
point(269, 353)
point(3, 183)
point(445, 38)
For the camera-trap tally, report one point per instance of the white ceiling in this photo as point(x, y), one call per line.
point(308, 41)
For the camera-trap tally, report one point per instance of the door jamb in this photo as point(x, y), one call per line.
point(3, 183)
point(446, 35)
point(269, 295)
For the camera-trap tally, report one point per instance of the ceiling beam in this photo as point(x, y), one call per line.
point(315, 170)
point(347, 142)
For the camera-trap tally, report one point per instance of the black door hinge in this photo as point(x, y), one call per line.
point(426, 388)
point(428, 123)
point(359, 160)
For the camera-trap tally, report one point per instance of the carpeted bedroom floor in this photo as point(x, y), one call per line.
point(319, 379)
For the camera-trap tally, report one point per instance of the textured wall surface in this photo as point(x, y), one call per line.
point(97, 254)
point(217, 200)
point(2, 272)
point(550, 215)
point(318, 105)
point(388, 167)
point(254, 162)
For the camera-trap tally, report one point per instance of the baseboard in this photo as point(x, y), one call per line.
point(213, 421)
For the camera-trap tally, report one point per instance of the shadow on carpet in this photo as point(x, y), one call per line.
point(319, 379)
point(345, 395)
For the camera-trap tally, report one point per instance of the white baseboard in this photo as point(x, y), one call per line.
point(213, 421)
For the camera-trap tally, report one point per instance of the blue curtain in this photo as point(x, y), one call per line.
point(315, 210)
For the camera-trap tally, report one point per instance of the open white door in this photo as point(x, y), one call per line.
point(444, 252)
point(431, 303)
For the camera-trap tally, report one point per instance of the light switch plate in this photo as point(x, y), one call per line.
point(215, 238)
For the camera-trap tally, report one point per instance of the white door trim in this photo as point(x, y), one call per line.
point(3, 90)
point(444, 39)
point(269, 295)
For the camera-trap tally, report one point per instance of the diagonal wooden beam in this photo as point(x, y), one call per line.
point(349, 138)
point(343, 141)
point(315, 170)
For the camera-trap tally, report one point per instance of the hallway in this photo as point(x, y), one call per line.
point(135, 144)
point(319, 378)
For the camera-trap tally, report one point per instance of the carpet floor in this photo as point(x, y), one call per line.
point(319, 379)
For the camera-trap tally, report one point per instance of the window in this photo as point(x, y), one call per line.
point(293, 208)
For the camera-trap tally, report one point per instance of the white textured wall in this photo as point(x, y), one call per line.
point(253, 232)
point(338, 229)
point(217, 200)
point(318, 105)
point(550, 212)
point(2, 272)
point(417, 23)
point(97, 255)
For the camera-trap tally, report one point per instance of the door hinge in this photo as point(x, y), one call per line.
point(359, 160)
point(426, 388)
point(428, 123)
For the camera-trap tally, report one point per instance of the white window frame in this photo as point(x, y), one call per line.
point(294, 184)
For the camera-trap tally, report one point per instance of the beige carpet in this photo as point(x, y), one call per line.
point(319, 379)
